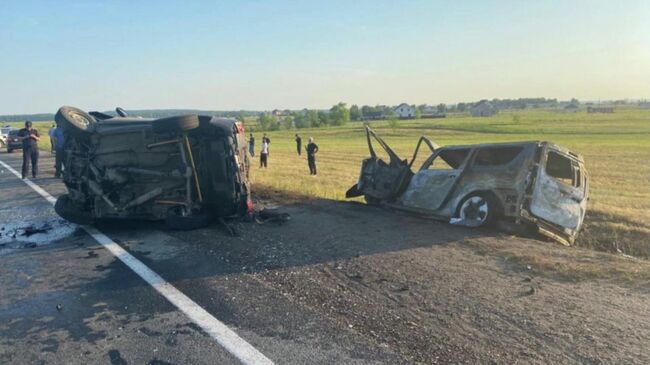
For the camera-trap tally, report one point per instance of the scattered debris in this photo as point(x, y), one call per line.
point(59, 307)
point(272, 215)
point(28, 231)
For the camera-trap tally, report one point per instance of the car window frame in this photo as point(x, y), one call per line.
point(429, 161)
point(581, 176)
point(517, 159)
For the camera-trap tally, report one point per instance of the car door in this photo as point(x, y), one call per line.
point(432, 185)
point(381, 179)
point(560, 191)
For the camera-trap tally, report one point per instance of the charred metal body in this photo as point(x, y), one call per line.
point(531, 183)
point(185, 170)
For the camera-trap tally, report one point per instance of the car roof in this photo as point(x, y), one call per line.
point(500, 144)
point(552, 145)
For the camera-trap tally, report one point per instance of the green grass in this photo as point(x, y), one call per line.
point(616, 148)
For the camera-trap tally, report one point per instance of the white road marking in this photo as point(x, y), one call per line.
point(226, 337)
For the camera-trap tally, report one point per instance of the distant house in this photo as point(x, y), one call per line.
point(600, 109)
point(570, 106)
point(429, 111)
point(483, 109)
point(280, 113)
point(404, 111)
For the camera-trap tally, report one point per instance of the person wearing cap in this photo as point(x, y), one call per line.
point(312, 149)
point(30, 137)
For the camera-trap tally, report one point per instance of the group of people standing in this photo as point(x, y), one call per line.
point(311, 148)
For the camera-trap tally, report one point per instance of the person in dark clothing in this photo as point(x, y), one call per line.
point(29, 136)
point(251, 145)
point(60, 144)
point(312, 149)
point(52, 139)
point(298, 144)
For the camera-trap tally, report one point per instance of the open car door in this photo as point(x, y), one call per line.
point(560, 195)
point(383, 180)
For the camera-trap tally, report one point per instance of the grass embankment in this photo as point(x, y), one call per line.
point(615, 146)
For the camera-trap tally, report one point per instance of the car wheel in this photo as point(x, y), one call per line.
point(75, 120)
point(67, 210)
point(9, 150)
point(175, 220)
point(176, 124)
point(477, 210)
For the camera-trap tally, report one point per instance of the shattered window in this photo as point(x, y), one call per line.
point(494, 156)
point(563, 169)
point(449, 159)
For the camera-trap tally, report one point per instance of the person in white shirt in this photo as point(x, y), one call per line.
point(264, 154)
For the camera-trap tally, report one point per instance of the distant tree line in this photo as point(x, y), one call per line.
point(337, 115)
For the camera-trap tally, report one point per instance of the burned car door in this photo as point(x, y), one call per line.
point(380, 180)
point(560, 191)
point(430, 188)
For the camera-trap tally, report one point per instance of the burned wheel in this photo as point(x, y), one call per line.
point(176, 124)
point(67, 210)
point(477, 210)
point(75, 120)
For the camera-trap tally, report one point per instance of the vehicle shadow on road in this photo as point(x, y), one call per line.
point(319, 231)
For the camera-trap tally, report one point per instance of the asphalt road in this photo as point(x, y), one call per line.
point(341, 283)
point(65, 299)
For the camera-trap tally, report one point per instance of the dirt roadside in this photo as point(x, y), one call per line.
point(438, 294)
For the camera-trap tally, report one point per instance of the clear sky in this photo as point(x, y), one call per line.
point(231, 55)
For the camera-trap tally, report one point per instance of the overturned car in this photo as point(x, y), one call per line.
point(536, 184)
point(185, 170)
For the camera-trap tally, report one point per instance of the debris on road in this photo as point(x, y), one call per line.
point(272, 215)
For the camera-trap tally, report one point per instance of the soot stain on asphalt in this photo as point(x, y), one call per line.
point(20, 234)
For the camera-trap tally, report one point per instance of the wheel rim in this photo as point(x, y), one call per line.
point(475, 209)
point(81, 119)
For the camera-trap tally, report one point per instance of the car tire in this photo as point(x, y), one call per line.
point(176, 221)
point(176, 124)
point(75, 120)
point(9, 150)
point(67, 210)
point(478, 210)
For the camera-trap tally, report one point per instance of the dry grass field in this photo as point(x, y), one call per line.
point(616, 148)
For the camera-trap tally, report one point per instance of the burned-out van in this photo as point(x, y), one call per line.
point(533, 183)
